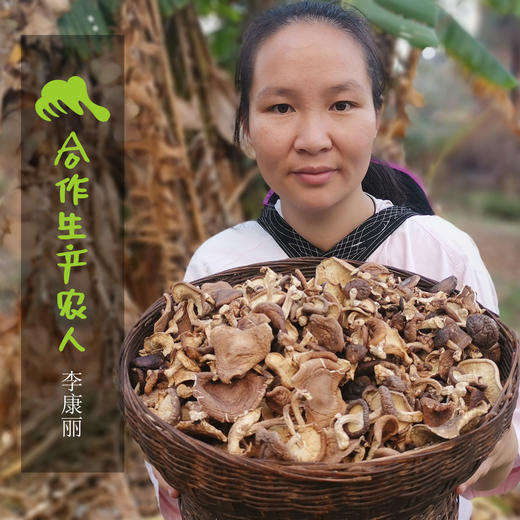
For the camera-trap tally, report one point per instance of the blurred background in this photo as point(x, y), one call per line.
point(452, 116)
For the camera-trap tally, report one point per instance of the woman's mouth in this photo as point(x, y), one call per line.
point(315, 176)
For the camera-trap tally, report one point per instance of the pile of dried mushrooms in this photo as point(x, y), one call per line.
point(351, 365)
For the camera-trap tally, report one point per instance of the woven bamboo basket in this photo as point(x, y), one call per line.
point(419, 484)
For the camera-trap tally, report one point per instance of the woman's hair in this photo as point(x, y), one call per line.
point(271, 21)
point(379, 179)
point(385, 181)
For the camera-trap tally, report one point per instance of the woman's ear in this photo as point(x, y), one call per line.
point(246, 145)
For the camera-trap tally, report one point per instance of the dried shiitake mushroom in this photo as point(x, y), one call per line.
point(350, 365)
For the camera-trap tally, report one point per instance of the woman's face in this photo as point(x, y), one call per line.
point(312, 121)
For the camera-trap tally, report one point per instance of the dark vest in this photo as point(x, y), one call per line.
point(359, 244)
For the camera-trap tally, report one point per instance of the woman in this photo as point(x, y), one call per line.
point(311, 85)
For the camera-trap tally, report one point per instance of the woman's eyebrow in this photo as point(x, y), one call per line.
point(273, 91)
point(350, 85)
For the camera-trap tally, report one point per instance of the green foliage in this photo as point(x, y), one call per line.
point(505, 6)
point(224, 45)
point(473, 55)
point(501, 206)
point(509, 303)
point(224, 42)
point(424, 23)
point(497, 206)
point(425, 11)
point(418, 34)
point(169, 7)
point(87, 19)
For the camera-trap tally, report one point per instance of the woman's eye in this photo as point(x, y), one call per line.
point(281, 108)
point(342, 106)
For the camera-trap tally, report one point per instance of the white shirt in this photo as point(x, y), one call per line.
point(424, 244)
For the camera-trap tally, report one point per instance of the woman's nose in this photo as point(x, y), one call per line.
point(312, 135)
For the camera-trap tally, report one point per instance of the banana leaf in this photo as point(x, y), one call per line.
point(398, 16)
point(424, 11)
point(418, 34)
point(473, 55)
point(85, 20)
point(505, 6)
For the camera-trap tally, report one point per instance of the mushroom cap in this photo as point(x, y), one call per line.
point(167, 314)
point(456, 334)
point(271, 444)
point(169, 407)
point(457, 312)
point(396, 346)
point(226, 402)
point(420, 435)
point(459, 423)
point(277, 398)
point(158, 342)
point(152, 399)
point(335, 272)
point(283, 367)
point(411, 281)
point(237, 351)
point(447, 285)
point(474, 396)
point(316, 304)
point(221, 292)
point(308, 445)
point(446, 361)
point(363, 289)
point(435, 413)
point(151, 361)
point(389, 378)
point(354, 352)
point(482, 329)
point(377, 329)
point(385, 427)
point(357, 410)
point(182, 291)
point(468, 299)
point(376, 271)
point(251, 319)
point(327, 331)
point(273, 312)
point(277, 296)
point(388, 402)
point(489, 374)
point(201, 428)
point(321, 378)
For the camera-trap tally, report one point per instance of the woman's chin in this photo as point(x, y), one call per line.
point(315, 204)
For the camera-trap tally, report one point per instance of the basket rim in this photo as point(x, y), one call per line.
point(298, 469)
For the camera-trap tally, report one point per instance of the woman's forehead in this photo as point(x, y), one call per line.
point(314, 52)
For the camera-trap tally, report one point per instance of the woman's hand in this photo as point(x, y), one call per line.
point(495, 469)
point(168, 499)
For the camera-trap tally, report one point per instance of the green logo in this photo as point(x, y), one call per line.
point(69, 93)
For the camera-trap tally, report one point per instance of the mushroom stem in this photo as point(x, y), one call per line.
point(288, 420)
point(342, 437)
point(295, 405)
point(266, 424)
point(241, 429)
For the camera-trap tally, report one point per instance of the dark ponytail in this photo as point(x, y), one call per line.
point(386, 182)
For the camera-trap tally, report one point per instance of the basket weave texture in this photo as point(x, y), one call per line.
point(418, 484)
